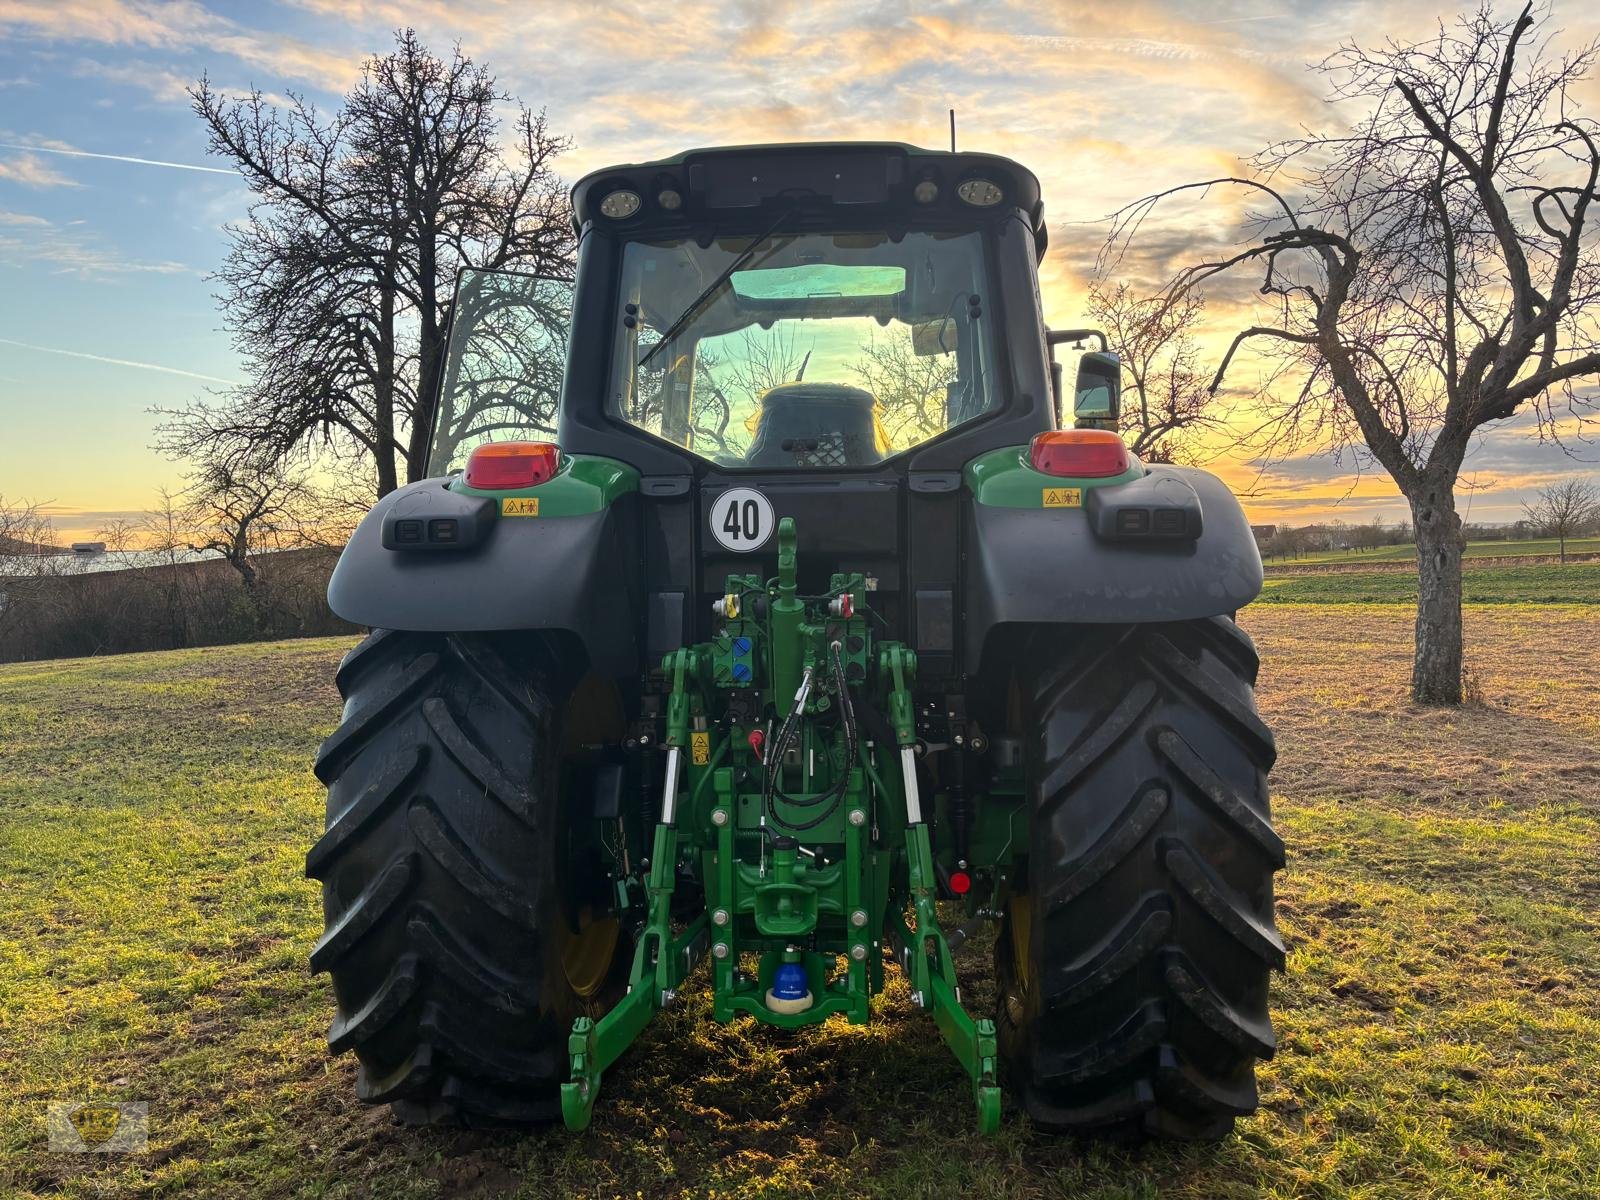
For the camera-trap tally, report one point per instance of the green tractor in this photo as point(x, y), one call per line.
point(776, 606)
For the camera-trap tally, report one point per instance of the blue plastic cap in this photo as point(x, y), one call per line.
point(741, 671)
point(789, 982)
point(741, 645)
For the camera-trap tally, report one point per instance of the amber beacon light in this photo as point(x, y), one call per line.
point(1079, 453)
point(495, 466)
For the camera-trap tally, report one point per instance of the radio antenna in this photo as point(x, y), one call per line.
point(952, 131)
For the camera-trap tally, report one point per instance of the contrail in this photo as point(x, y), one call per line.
point(127, 158)
point(118, 362)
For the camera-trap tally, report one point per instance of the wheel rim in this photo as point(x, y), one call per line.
point(588, 942)
point(1019, 914)
point(588, 951)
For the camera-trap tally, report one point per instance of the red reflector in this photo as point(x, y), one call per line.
point(496, 466)
point(1079, 453)
point(960, 882)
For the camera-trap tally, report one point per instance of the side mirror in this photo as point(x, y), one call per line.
point(1097, 399)
point(1097, 394)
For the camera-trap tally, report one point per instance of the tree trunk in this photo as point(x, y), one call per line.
point(430, 353)
point(239, 556)
point(430, 359)
point(1436, 669)
point(385, 385)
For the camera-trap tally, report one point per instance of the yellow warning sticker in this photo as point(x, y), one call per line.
point(519, 506)
point(700, 748)
point(1063, 497)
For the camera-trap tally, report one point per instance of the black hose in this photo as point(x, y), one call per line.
point(835, 794)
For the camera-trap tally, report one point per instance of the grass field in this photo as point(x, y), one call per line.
point(1543, 583)
point(1439, 1026)
point(1512, 549)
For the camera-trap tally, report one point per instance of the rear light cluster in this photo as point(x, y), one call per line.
point(501, 466)
point(1079, 453)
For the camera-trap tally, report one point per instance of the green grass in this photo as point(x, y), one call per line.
point(1439, 1025)
point(1543, 583)
point(1408, 553)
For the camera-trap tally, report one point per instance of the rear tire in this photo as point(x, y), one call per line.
point(1135, 960)
point(466, 913)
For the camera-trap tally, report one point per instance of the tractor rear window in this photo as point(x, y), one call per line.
point(802, 350)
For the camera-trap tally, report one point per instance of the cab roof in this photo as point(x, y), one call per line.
point(723, 181)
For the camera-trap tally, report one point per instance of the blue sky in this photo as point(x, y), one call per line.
point(103, 258)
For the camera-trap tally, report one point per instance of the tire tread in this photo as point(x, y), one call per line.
point(1151, 861)
point(438, 883)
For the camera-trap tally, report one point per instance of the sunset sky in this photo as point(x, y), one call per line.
point(111, 214)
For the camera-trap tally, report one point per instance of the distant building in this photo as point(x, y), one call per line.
point(88, 549)
point(1264, 533)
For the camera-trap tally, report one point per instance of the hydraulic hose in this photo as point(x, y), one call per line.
point(836, 792)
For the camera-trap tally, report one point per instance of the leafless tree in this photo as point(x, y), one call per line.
point(153, 548)
point(25, 533)
point(1168, 404)
point(1430, 270)
point(912, 389)
point(711, 417)
point(27, 551)
point(731, 378)
point(1369, 536)
point(757, 362)
point(1564, 509)
point(240, 514)
point(339, 287)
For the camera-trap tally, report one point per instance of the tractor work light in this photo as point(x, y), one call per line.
point(980, 193)
point(620, 204)
point(926, 191)
point(497, 466)
point(1079, 453)
point(670, 199)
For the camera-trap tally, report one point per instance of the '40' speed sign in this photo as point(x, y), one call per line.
point(741, 519)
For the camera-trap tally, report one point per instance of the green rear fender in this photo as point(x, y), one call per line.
point(562, 556)
point(1038, 550)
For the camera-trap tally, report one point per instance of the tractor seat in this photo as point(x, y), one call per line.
point(815, 425)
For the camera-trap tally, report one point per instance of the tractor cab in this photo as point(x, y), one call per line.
point(797, 308)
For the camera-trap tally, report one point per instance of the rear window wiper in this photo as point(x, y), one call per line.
point(699, 301)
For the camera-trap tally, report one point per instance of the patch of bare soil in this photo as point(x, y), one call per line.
point(1335, 688)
